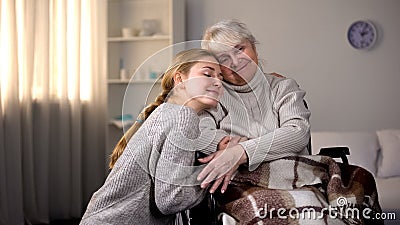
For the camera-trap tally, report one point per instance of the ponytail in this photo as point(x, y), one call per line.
point(123, 142)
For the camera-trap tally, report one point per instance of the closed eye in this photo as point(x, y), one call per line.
point(210, 71)
point(223, 59)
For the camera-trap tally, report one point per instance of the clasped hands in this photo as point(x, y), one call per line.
point(223, 163)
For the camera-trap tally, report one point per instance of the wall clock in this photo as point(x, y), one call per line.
point(362, 34)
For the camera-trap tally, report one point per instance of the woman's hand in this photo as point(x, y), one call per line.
point(222, 165)
point(229, 141)
point(223, 144)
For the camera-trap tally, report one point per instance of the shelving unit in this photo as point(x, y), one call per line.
point(132, 53)
point(120, 81)
point(151, 38)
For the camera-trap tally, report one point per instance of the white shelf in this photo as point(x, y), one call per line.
point(140, 38)
point(119, 81)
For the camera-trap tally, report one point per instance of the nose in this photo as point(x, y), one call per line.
point(217, 82)
point(234, 60)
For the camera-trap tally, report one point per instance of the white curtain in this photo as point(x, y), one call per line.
point(52, 108)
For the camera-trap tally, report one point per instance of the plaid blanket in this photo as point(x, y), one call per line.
point(308, 189)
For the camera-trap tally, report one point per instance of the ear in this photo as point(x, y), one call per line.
point(254, 47)
point(177, 78)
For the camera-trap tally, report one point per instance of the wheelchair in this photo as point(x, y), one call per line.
point(207, 212)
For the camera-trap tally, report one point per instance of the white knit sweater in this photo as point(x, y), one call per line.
point(268, 110)
point(154, 178)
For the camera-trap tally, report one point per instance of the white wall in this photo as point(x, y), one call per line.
point(347, 89)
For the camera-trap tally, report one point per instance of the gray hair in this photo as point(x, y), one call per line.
point(226, 33)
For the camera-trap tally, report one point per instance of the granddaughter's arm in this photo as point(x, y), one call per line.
point(211, 136)
point(176, 187)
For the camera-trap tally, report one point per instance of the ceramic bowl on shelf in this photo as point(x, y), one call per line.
point(129, 32)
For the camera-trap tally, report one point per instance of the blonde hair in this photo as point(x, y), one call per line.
point(182, 62)
point(220, 36)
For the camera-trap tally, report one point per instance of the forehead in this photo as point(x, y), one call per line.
point(207, 60)
point(228, 48)
point(218, 47)
point(212, 63)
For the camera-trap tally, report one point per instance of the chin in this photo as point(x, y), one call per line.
point(248, 73)
point(210, 103)
point(213, 104)
point(234, 79)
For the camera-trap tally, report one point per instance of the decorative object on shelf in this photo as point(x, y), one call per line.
point(122, 71)
point(362, 34)
point(149, 27)
point(153, 75)
point(123, 121)
point(140, 74)
point(127, 32)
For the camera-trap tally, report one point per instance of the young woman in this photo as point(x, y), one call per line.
point(154, 178)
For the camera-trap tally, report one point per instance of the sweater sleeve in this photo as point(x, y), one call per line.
point(293, 133)
point(211, 135)
point(176, 186)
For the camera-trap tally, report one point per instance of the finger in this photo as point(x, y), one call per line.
point(225, 140)
point(216, 184)
point(205, 172)
point(204, 185)
point(213, 175)
point(223, 143)
point(227, 180)
point(243, 139)
point(234, 140)
point(207, 181)
point(207, 158)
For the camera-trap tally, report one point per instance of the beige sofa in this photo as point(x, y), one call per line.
point(379, 153)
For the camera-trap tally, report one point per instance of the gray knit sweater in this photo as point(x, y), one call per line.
point(154, 178)
point(268, 110)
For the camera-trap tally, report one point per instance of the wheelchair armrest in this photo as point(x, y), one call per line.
point(206, 212)
point(199, 155)
point(213, 209)
point(336, 152)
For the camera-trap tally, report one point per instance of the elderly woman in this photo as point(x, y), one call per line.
point(262, 123)
point(264, 112)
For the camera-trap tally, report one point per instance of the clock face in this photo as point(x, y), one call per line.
point(361, 35)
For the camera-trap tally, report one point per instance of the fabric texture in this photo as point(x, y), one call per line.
point(283, 191)
point(268, 110)
point(389, 141)
point(154, 178)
